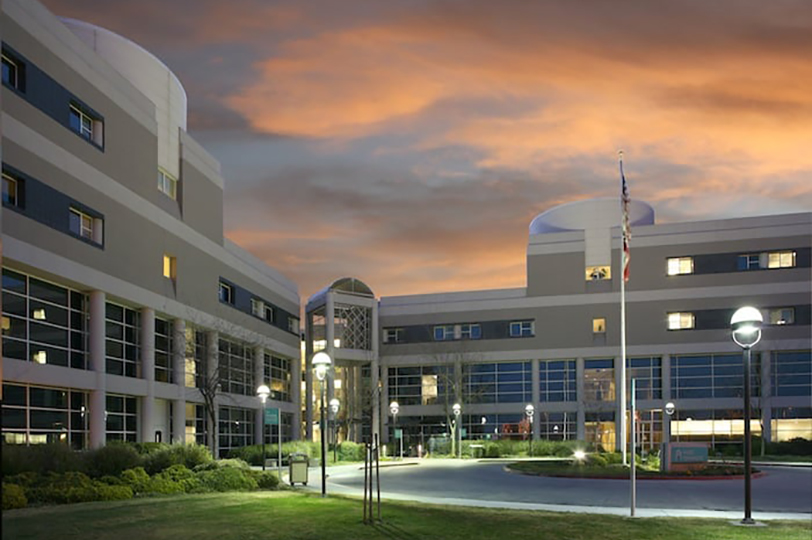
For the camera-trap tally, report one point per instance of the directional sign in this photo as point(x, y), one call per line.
point(689, 454)
point(271, 417)
point(398, 433)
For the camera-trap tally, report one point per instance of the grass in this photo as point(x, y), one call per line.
point(570, 469)
point(290, 515)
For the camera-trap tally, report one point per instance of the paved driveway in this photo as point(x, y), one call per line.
point(781, 489)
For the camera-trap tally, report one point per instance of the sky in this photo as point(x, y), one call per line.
point(410, 143)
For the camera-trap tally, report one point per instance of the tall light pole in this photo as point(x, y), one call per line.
point(746, 332)
point(394, 408)
point(263, 392)
point(334, 406)
point(529, 410)
point(457, 408)
point(321, 365)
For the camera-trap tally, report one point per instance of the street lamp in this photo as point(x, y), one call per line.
point(529, 410)
point(394, 408)
point(746, 332)
point(321, 365)
point(334, 405)
point(457, 408)
point(263, 392)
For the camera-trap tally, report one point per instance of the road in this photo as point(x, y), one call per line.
point(780, 490)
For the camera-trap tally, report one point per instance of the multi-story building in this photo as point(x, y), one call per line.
point(555, 343)
point(126, 313)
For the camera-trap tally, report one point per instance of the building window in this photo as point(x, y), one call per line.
point(422, 385)
point(86, 124)
point(226, 293)
point(11, 191)
point(13, 73)
point(712, 376)
point(163, 351)
point(680, 265)
point(257, 307)
point(599, 380)
point(122, 340)
point(41, 415)
point(750, 261)
point(167, 184)
point(170, 267)
point(791, 373)
point(470, 331)
point(236, 428)
point(597, 273)
point(277, 372)
point(599, 326)
point(647, 371)
point(393, 335)
point(781, 259)
point(122, 418)
point(502, 382)
point(85, 226)
point(444, 333)
point(522, 329)
point(557, 381)
point(293, 325)
point(681, 321)
point(236, 368)
point(780, 316)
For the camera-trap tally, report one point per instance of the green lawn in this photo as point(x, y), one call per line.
point(292, 515)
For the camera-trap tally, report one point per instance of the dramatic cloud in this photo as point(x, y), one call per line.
point(409, 144)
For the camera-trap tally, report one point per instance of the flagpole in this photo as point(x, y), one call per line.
point(622, 320)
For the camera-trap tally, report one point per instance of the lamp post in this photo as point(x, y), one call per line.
point(334, 406)
point(746, 332)
point(394, 408)
point(321, 365)
point(263, 392)
point(457, 408)
point(529, 410)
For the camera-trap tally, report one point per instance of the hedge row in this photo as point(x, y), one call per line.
point(345, 451)
point(110, 460)
point(28, 488)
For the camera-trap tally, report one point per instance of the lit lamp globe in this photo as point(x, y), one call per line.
point(746, 326)
point(394, 408)
point(263, 392)
point(321, 364)
point(334, 405)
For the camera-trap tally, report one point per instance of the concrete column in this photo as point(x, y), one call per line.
point(259, 378)
point(765, 382)
point(580, 429)
point(213, 374)
point(296, 397)
point(665, 370)
point(97, 359)
point(330, 334)
point(536, 397)
point(179, 375)
point(375, 375)
point(308, 366)
point(148, 373)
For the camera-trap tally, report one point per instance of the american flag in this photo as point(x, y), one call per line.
point(627, 230)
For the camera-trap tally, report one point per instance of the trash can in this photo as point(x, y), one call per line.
point(297, 471)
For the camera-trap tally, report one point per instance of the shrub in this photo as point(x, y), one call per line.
point(146, 448)
point(70, 487)
point(351, 451)
point(793, 447)
point(597, 460)
point(13, 497)
point(112, 459)
point(613, 458)
point(23, 479)
point(189, 456)
point(265, 479)
point(39, 458)
point(227, 479)
point(137, 479)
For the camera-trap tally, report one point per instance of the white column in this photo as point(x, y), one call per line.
point(296, 397)
point(179, 373)
point(309, 389)
point(536, 398)
point(375, 372)
point(148, 374)
point(97, 359)
point(213, 374)
point(259, 378)
point(581, 398)
point(665, 370)
point(330, 334)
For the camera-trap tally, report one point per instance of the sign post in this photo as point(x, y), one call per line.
point(272, 419)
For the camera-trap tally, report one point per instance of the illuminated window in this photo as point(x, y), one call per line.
point(170, 267)
point(226, 293)
point(598, 273)
point(87, 125)
point(293, 325)
point(522, 329)
point(444, 333)
point(599, 326)
point(681, 321)
point(470, 331)
point(167, 184)
point(11, 189)
point(780, 316)
point(680, 265)
point(257, 307)
point(85, 225)
point(781, 259)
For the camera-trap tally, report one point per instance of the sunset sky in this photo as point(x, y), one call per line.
point(410, 143)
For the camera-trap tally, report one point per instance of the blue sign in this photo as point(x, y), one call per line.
point(272, 417)
point(398, 433)
point(689, 454)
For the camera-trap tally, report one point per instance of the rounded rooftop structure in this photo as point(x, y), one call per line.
point(345, 285)
point(590, 214)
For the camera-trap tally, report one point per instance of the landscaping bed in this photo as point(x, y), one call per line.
point(590, 469)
